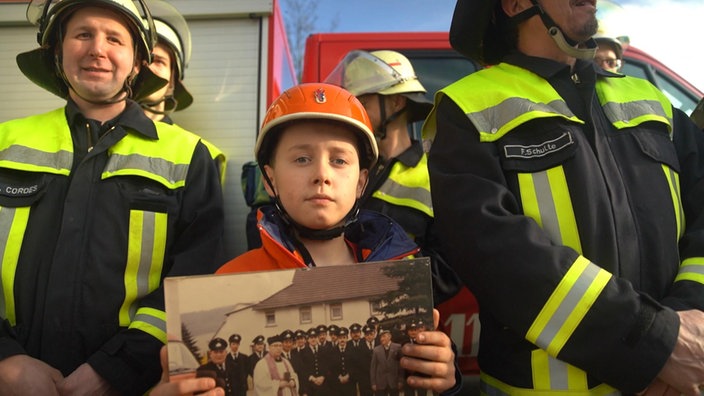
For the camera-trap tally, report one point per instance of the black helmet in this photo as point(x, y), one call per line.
point(481, 31)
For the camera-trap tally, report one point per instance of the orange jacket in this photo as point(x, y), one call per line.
point(374, 237)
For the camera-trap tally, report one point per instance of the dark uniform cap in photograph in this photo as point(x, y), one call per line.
point(342, 332)
point(368, 329)
point(287, 335)
point(384, 330)
point(235, 339)
point(273, 339)
point(412, 325)
point(372, 320)
point(312, 332)
point(333, 329)
point(322, 328)
point(217, 344)
point(354, 327)
point(300, 333)
point(258, 340)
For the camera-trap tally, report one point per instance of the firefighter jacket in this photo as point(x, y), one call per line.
point(571, 205)
point(400, 189)
point(93, 217)
point(373, 237)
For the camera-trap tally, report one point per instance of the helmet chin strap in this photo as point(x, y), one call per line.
point(170, 106)
point(565, 44)
point(309, 233)
point(380, 131)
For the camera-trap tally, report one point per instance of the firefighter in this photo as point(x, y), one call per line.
point(570, 200)
point(99, 204)
point(171, 56)
point(399, 186)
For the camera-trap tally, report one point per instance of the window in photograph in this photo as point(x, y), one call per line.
point(305, 315)
point(270, 318)
point(336, 311)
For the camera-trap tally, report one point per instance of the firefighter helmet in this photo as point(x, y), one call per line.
point(40, 65)
point(172, 30)
point(478, 31)
point(610, 15)
point(316, 101)
point(382, 72)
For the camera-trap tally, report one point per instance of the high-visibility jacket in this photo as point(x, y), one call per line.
point(373, 237)
point(87, 242)
point(567, 221)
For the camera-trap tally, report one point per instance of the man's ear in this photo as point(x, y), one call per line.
point(362, 182)
point(514, 7)
point(398, 102)
point(270, 174)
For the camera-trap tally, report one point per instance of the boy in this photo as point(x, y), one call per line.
point(315, 148)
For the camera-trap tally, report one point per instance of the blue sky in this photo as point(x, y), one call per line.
point(668, 30)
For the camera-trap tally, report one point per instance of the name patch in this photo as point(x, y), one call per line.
point(538, 150)
point(17, 190)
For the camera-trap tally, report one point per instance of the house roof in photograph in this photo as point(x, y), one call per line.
point(337, 283)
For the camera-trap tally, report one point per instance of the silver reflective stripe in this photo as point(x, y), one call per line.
point(559, 377)
point(548, 212)
point(494, 118)
point(152, 321)
point(625, 112)
point(568, 304)
point(169, 171)
point(146, 256)
point(394, 189)
point(59, 161)
point(7, 215)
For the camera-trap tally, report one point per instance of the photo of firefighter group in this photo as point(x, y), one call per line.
point(334, 330)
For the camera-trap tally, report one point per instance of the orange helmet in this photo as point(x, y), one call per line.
point(317, 101)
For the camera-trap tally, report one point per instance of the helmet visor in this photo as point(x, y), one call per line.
point(361, 73)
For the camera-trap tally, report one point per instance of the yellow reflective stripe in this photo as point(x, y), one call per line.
point(151, 321)
point(567, 306)
point(145, 258)
point(673, 180)
point(546, 198)
point(491, 386)
point(692, 269)
point(13, 223)
point(553, 374)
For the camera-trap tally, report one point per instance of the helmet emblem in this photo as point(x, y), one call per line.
point(319, 95)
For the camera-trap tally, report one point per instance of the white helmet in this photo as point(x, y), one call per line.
point(172, 30)
point(382, 72)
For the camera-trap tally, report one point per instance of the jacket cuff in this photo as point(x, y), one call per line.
point(10, 347)
point(129, 364)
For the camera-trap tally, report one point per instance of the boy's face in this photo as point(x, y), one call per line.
point(98, 53)
point(315, 171)
point(162, 66)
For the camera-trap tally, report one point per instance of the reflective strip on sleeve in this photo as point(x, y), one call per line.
point(692, 269)
point(546, 198)
point(13, 223)
point(151, 321)
point(567, 306)
point(145, 258)
point(673, 180)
